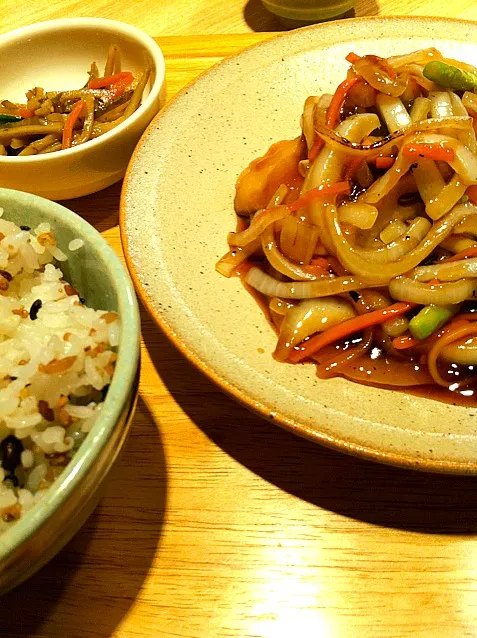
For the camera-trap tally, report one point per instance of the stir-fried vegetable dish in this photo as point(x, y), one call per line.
point(360, 236)
point(52, 121)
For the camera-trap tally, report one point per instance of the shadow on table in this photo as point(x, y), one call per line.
point(362, 490)
point(260, 19)
point(96, 578)
point(99, 209)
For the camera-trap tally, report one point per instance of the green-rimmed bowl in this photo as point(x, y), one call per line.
point(96, 271)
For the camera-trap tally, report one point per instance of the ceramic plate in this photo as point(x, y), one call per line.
point(177, 207)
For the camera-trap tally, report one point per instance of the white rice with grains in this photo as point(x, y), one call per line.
point(57, 359)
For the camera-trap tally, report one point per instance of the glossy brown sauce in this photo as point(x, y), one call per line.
point(377, 368)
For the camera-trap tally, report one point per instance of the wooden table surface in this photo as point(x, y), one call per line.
point(218, 524)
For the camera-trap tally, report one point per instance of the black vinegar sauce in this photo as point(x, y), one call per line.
point(377, 367)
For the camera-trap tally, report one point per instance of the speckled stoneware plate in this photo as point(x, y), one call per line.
point(177, 207)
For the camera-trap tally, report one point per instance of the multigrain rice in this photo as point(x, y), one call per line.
point(57, 358)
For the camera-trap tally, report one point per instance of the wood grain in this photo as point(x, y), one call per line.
point(216, 523)
point(184, 17)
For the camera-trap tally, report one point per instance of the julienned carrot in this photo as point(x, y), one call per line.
point(383, 163)
point(404, 342)
point(471, 193)
point(434, 152)
point(324, 190)
point(316, 148)
point(125, 77)
point(333, 112)
point(352, 57)
point(26, 113)
point(70, 123)
point(464, 254)
point(349, 327)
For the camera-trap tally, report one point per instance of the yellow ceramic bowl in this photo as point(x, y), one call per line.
point(57, 55)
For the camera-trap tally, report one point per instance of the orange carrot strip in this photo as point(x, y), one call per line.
point(349, 327)
point(26, 113)
point(333, 112)
point(383, 163)
point(316, 148)
point(352, 57)
point(70, 123)
point(404, 342)
point(324, 190)
point(125, 77)
point(471, 193)
point(464, 254)
point(434, 152)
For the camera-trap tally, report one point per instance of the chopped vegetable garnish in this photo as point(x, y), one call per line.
point(349, 327)
point(450, 76)
point(434, 152)
point(430, 319)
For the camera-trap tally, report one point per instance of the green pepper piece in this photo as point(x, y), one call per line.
point(430, 319)
point(9, 118)
point(450, 76)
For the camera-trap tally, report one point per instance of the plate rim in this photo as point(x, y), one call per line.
point(333, 442)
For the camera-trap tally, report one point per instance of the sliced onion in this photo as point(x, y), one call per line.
point(393, 112)
point(358, 214)
point(420, 109)
point(441, 105)
point(392, 231)
point(464, 163)
point(429, 180)
point(447, 271)
point(421, 57)
point(280, 306)
point(271, 287)
point(449, 196)
point(357, 261)
point(388, 181)
point(260, 222)
point(307, 318)
point(457, 243)
point(341, 143)
point(230, 261)
point(280, 262)
point(406, 289)
point(466, 137)
point(307, 120)
point(467, 225)
point(463, 352)
point(373, 69)
point(329, 163)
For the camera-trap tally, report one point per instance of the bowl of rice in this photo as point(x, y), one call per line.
point(69, 362)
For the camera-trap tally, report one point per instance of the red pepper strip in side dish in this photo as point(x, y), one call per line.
point(429, 151)
point(70, 124)
point(333, 112)
point(352, 57)
point(383, 163)
point(324, 190)
point(349, 327)
point(125, 77)
point(24, 113)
